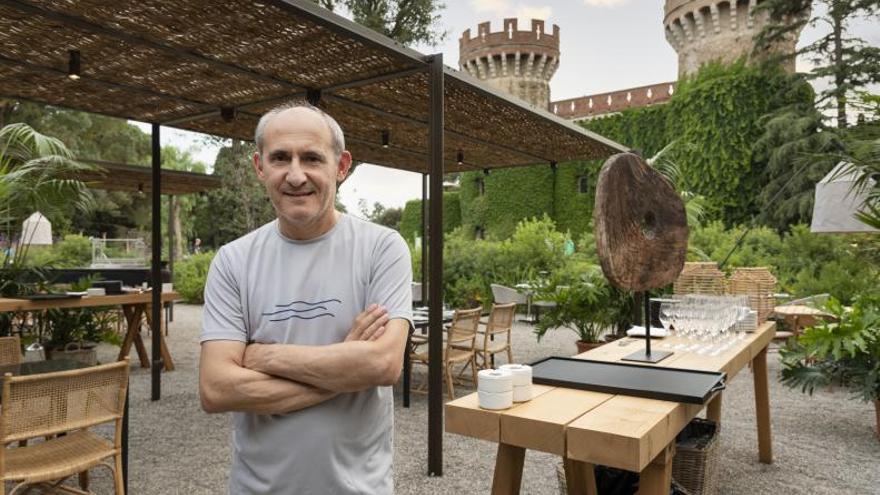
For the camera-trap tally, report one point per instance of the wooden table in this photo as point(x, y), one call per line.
point(134, 307)
point(798, 316)
point(588, 428)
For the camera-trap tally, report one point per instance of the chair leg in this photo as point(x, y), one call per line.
point(474, 368)
point(84, 480)
point(509, 355)
point(449, 389)
point(117, 475)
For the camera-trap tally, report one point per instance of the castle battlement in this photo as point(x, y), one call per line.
point(586, 107)
point(705, 30)
point(519, 62)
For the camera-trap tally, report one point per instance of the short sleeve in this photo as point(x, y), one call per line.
point(391, 277)
point(223, 317)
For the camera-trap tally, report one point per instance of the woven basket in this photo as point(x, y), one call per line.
point(757, 283)
point(695, 466)
point(700, 278)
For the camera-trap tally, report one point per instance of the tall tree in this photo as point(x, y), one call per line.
point(847, 62)
point(405, 21)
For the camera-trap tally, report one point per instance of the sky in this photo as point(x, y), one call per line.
point(605, 45)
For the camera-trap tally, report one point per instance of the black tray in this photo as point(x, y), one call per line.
point(651, 382)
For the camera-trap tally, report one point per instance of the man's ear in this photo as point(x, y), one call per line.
point(343, 167)
point(258, 164)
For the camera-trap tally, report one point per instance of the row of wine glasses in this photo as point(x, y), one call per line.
point(708, 324)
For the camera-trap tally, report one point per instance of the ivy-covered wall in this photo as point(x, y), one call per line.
point(411, 220)
point(715, 118)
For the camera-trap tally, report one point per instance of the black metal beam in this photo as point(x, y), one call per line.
point(156, 309)
point(86, 25)
point(435, 279)
point(425, 239)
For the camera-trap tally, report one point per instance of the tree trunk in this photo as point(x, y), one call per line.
point(177, 247)
point(839, 68)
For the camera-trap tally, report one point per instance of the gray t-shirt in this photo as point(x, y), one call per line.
point(266, 288)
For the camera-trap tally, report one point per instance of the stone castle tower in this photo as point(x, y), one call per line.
point(520, 63)
point(705, 30)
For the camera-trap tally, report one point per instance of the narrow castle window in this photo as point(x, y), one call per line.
point(583, 184)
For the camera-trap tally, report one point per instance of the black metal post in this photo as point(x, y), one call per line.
point(424, 239)
point(156, 271)
point(172, 244)
point(647, 323)
point(435, 279)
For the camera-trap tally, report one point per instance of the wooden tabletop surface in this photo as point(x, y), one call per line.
point(613, 430)
point(7, 304)
point(799, 310)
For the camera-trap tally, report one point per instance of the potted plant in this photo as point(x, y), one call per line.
point(846, 352)
point(586, 307)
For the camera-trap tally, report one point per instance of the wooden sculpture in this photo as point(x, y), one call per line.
point(640, 225)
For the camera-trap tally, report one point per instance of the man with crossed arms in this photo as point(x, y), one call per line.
point(305, 324)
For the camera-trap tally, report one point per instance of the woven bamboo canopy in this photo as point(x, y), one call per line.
point(133, 178)
point(216, 66)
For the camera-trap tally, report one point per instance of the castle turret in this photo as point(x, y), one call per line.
point(705, 30)
point(520, 63)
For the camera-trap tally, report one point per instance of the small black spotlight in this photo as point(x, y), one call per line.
point(227, 114)
point(553, 165)
point(386, 138)
point(485, 171)
point(313, 96)
point(74, 64)
point(460, 157)
point(141, 188)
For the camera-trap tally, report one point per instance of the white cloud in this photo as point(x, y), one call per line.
point(605, 3)
point(494, 6)
point(529, 13)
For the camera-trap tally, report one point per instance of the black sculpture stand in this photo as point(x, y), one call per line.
point(647, 356)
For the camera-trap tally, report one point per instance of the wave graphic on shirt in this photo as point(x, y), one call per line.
point(302, 310)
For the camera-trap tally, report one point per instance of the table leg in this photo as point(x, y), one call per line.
point(163, 345)
point(133, 315)
point(508, 470)
point(713, 410)
point(762, 407)
point(580, 478)
point(84, 481)
point(656, 478)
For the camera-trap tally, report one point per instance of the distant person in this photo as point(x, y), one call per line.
point(305, 324)
point(197, 246)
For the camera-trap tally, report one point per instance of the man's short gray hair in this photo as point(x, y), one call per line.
point(337, 139)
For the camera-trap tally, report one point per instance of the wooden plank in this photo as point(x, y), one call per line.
point(540, 423)
point(465, 417)
point(627, 432)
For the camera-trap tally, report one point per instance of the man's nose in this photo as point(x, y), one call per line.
point(295, 176)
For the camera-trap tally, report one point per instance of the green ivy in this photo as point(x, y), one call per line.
point(411, 220)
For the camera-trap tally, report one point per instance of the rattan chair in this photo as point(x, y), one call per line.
point(500, 324)
point(459, 346)
point(70, 402)
point(10, 350)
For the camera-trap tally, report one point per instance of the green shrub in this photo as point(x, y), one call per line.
point(190, 275)
point(74, 251)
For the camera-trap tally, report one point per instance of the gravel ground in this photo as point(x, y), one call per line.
point(822, 444)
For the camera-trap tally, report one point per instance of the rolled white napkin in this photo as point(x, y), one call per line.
point(639, 331)
point(495, 400)
point(522, 381)
point(494, 381)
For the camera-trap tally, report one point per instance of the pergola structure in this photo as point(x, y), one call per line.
point(215, 66)
point(112, 176)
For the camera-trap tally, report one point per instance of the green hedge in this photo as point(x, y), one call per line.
point(411, 220)
point(190, 276)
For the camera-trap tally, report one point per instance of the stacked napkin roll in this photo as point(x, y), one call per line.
point(522, 381)
point(495, 389)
